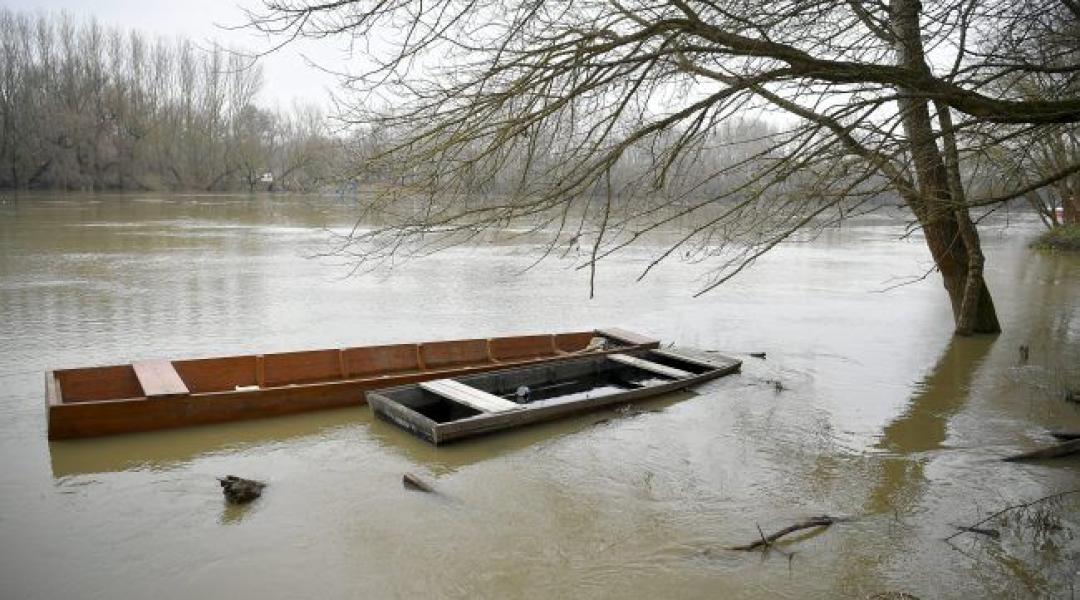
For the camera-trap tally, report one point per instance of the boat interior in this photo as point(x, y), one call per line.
point(544, 385)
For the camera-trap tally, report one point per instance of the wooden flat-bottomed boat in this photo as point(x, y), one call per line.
point(159, 394)
point(448, 409)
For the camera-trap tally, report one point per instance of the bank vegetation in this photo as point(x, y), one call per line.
point(89, 107)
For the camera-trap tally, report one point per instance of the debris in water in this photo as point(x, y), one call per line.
point(777, 385)
point(767, 540)
point(629, 410)
point(994, 533)
point(760, 355)
point(238, 490)
point(1063, 449)
point(1022, 506)
point(414, 482)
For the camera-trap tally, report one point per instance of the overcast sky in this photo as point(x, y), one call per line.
point(287, 75)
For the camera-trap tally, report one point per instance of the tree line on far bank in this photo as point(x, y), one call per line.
point(87, 107)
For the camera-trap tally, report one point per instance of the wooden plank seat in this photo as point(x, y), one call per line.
point(469, 396)
point(648, 365)
point(159, 378)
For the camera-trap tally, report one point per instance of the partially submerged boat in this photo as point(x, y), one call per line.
point(448, 409)
point(159, 394)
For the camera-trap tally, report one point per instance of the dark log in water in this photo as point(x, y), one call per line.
point(1066, 435)
point(414, 482)
point(238, 490)
point(1063, 449)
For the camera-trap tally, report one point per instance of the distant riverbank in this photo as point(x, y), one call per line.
point(1066, 238)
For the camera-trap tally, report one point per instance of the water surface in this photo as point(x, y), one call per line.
point(883, 417)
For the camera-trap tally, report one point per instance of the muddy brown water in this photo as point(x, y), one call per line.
point(883, 417)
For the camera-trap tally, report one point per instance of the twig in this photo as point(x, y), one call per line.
point(762, 534)
point(974, 526)
point(987, 532)
point(767, 541)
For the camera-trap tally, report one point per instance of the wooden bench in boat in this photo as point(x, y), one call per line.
point(159, 378)
point(469, 396)
point(624, 336)
point(648, 365)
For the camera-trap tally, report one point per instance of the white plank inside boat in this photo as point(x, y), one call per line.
point(469, 396)
point(650, 366)
point(159, 378)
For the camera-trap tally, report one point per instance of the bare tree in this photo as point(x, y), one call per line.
point(86, 106)
point(558, 97)
point(1048, 42)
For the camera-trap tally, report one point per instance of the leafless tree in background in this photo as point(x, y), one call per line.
point(559, 98)
point(1048, 43)
point(87, 107)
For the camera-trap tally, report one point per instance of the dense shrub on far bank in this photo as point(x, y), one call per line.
point(1065, 237)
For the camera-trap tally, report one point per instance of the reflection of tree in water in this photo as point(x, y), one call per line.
point(1050, 317)
point(924, 425)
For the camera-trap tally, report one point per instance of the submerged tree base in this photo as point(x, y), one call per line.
point(1065, 237)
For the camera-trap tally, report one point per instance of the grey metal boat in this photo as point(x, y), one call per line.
point(442, 410)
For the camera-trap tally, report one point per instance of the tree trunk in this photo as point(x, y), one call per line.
point(938, 204)
point(1070, 209)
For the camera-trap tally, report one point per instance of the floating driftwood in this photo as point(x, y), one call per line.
point(238, 490)
point(760, 355)
point(1066, 435)
point(1063, 449)
point(767, 540)
point(778, 386)
point(994, 533)
point(413, 482)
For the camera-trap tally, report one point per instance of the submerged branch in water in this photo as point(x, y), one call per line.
point(1056, 451)
point(975, 527)
point(768, 540)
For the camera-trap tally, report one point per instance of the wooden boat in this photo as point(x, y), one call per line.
point(448, 409)
point(159, 394)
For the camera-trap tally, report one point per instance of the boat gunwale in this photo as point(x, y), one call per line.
point(279, 352)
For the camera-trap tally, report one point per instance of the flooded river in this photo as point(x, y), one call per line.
point(882, 417)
